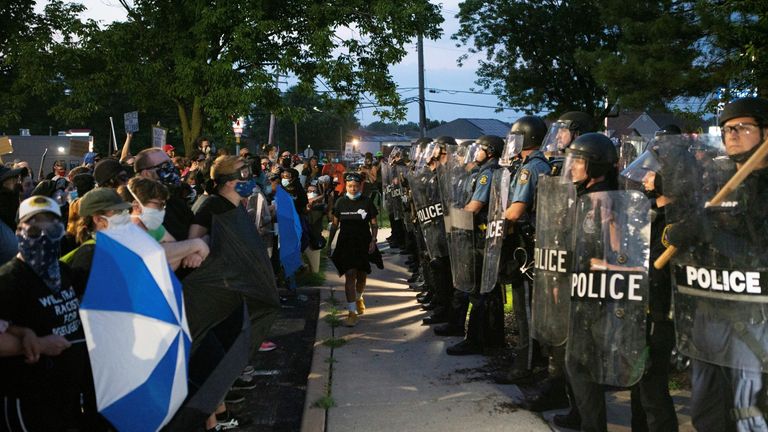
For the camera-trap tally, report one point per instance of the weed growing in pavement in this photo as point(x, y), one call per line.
point(332, 300)
point(333, 319)
point(335, 342)
point(325, 402)
point(331, 360)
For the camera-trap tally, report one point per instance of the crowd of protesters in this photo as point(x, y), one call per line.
point(48, 231)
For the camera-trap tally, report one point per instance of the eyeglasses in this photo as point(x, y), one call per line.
point(739, 129)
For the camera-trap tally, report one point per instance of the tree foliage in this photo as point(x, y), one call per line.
point(212, 60)
point(559, 55)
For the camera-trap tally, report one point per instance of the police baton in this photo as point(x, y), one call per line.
point(741, 174)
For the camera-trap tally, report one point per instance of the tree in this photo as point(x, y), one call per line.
point(211, 60)
point(319, 119)
point(531, 49)
point(736, 42)
point(652, 57)
point(563, 55)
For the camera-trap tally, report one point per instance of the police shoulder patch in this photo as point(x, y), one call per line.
point(484, 179)
point(525, 175)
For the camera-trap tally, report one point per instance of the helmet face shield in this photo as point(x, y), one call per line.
point(425, 155)
point(512, 148)
point(395, 154)
point(575, 168)
point(640, 168)
point(558, 138)
point(471, 153)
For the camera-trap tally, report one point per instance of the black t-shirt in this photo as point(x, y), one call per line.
point(178, 217)
point(26, 301)
point(354, 216)
point(215, 204)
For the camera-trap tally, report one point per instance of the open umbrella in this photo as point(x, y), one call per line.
point(136, 331)
point(236, 272)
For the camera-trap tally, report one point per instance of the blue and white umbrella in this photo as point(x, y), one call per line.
point(136, 331)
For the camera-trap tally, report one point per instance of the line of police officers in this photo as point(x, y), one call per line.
point(565, 218)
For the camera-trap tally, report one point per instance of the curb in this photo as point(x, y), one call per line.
point(314, 418)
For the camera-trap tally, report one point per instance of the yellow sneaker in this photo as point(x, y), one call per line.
point(351, 319)
point(360, 307)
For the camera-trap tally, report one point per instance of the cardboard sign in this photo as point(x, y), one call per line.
point(78, 148)
point(5, 145)
point(158, 136)
point(131, 121)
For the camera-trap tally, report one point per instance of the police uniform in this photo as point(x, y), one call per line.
point(485, 329)
point(523, 190)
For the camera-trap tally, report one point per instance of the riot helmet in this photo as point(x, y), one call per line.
point(590, 156)
point(752, 107)
point(533, 130)
point(466, 152)
point(644, 171)
point(492, 145)
point(567, 128)
point(441, 146)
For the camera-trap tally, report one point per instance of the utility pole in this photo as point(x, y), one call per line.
point(272, 119)
point(422, 106)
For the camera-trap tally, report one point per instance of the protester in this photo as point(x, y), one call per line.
point(10, 192)
point(354, 216)
point(45, 381)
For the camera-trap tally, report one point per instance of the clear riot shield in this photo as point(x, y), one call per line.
point(455, 180)
point(629, 148)
point(385, 170)
point(429, 213)
point(551, 299)
point(721, 279)
point(609, 287)
point(497, 204)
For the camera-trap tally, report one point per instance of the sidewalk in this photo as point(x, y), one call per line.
point(393, 373)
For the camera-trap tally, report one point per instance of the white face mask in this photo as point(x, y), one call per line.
point(312, 195)
point(118, 220)
point(285, 182)
point(152, 218)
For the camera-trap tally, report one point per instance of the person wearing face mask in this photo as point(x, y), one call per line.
point(148, 199)
point(100, 209)
point(289, 180)
point(45, 382)
point(153, 163)
point(354, 216)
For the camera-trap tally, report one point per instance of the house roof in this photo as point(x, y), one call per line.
point(465, 128)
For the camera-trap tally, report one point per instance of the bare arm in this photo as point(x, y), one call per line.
point(474, 206)
point(177, 252)
point(197, 231)
point(374, 234)
point(515, 211)
point(126, 153)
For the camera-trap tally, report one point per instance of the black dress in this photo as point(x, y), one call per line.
point(354, 234)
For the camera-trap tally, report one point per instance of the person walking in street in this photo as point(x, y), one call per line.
point(355, 217)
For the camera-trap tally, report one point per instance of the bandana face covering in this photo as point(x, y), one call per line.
point(41, 253)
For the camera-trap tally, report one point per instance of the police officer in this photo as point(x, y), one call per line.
point(727, 378)
point(593, 170)
point(485, 329)
point(562, 133)
point(440, 266)
point(520, 215)
point(652, 406)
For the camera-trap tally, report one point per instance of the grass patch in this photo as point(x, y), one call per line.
point(335, 342)
point(325, 402)
point(310, 279)
point(331, 360)
point(332, 300)
point(508, 305)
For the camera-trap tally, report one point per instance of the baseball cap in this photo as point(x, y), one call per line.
point(168, 147)
point(101, 199)
point(37, 204)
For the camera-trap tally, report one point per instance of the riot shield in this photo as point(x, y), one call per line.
point(721, 279)
point(551, 300)
point(609, 287)
point(497, 204)
point(629, 148)
point(455, 180)
point(429, 212)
